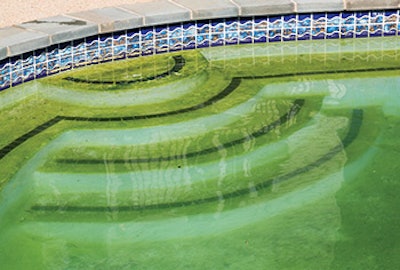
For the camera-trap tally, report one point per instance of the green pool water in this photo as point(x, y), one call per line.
point(267, 156)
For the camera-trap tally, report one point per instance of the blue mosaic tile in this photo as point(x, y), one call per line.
point(289, 29)
point(175, 41)
point(348, 25)
point(28, 63)
point(321, 17)
point(361, 30)
point(203, 38)
point(362, 15)
point(246, 30)
point(260, 29)
point(347, 31)
point(79, 46)
point(332, 15)
point(231, 31)
point(92, 43)
point(29, 74)
point(17, 73)
point(52, 52)
point(53, 59)
point(79, 60)
point(40, 57)
point(290, 18)
point(65, 50)
point(376, 17)
point(304, 20)
point(245, 25)
point(189, 36)
point(133, 43)
point(333, 25)
point(147, 41)
point(390, 23)
point(361, 24)
point(275, 29)
point(231, 25)
point(303, 27)
point(175, 30)
point(217, 33)
point(362, 18)
point(333, 19)
point(217, 40)
point(217, 27)
point(189, 45)
point(202, 41)
point(161, 39)
point(105, 49)
point(375, 30)
point(133, 37)
point(119, 45)
point(348, 18)
point(190, 27)
point(217, 21)
point(161, 33)
point(245, 37)
point(175, 44)
point(92, 50)
point(389, 13)
point(332, 33)
point(78, 53)
point(318, 30)
point(4, 74)
point(203, 27)
point(161, 45)
point(389, 29)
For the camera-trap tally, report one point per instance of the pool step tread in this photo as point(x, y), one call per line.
point(179, 64)
point(356, 122)
point(293, 111)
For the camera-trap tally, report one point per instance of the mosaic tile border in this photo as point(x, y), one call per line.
point(195, 34)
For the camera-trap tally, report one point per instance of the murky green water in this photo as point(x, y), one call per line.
point(243, 157)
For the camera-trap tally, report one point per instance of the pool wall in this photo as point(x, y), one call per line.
point(48, 46)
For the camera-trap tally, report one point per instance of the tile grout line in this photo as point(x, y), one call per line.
point(238, 7)
point(182, 6)
point(19, 26)
point(294, 6)
point(134, 13)
point(71, 16)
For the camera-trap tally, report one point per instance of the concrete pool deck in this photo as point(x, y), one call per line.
point(19, 11)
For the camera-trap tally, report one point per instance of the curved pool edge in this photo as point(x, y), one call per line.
point(43, 47)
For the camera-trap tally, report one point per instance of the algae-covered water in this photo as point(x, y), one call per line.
point(270, 156)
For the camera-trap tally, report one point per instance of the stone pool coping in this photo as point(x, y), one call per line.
point(42, 33)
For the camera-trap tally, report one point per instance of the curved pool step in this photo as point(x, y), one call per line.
point(204, 138)
point(117, 89)
point(178, 66)
point(193, 184)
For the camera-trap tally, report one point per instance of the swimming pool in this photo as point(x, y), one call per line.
point(263, 157)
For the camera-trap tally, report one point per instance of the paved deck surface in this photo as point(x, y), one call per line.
point(18, 11)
